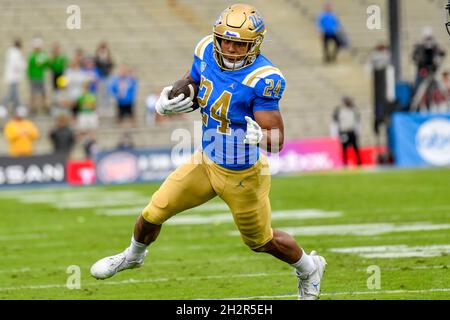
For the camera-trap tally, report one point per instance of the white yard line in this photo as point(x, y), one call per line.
point(128, 281)
point(82, 199)
point(395, 251)
point(187, 218)
point(169, 262)
point(137, 210)
point(228, 218)
point(105, 202)
point(66, 194)
point(411, 209)
point(366, 229)
point(20, 237)
point(374, 292)
point(18, 270)
point(32, 229)
point(443, 267)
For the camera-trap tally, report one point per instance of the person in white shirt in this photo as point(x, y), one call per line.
point(347, 124)
point(15, 66)
point(76, 79)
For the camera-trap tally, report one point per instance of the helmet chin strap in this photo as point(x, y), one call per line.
point(233, 65)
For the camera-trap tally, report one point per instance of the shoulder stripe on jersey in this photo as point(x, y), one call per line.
point(252, 78)
point(262, 76)
point(200, 49)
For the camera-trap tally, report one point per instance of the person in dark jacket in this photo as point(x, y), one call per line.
point(104, 64)
point(62, 136)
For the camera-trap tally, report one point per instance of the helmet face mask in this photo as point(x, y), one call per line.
point(239, 23)
point(229, 60)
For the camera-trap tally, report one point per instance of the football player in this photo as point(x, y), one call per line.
point(239, 93)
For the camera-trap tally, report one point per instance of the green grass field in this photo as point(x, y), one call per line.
point(397, 221)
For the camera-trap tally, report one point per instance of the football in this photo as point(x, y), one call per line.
point(188, 87)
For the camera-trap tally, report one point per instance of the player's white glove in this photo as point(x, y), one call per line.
point(179, 104)
point(254, 132)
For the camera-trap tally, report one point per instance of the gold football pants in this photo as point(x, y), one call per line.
point(246, 192)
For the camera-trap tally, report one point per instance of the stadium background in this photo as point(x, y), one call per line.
point(157, 39)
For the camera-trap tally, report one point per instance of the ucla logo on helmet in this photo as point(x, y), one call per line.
point(257, 21)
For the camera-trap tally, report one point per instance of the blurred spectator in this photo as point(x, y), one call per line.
point(62, 102)
point(58, 64)
point(427, 56)
point(76, 78)
point(15, 66)
point(125, 142)
point(124, 89)
point(87, 118)
point(90, 146)
point(62, 136)
point(20, 133)
point(104, 64)
point(91, 74)
point(79, 56)
point(329, 27)
point(347, 125)
point(151, 116)
point(103, 60)
point(383, 81)
point(38, 62)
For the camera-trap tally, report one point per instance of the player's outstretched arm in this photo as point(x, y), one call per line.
point(270, 124)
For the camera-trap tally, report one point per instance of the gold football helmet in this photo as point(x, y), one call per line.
point(241, 23)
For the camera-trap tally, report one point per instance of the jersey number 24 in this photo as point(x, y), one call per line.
point(219, 109)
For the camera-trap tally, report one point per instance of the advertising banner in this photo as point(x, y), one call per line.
point(118, 167)
point(80, 172)
point(369, 155)
point(34, 170)
point(305, 155)
point(421, 139)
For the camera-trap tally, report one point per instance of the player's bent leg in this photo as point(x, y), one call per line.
point(145, 232)
point(247, 195)
point(133, 256)
point(281, 246)
point(187, 187)
point(309, 268)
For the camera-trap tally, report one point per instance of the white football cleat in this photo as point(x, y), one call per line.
point(109, 266)
point(309, 285)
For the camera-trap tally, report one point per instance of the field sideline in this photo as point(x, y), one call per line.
point(397, 222)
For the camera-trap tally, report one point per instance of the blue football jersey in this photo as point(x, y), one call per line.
point(226, 97)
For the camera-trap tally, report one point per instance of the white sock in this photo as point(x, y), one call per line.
point(305, 265)
point(136, 250)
